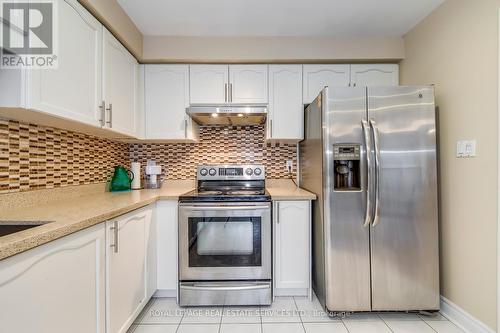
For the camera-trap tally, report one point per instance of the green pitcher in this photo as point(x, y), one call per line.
point(122, 179)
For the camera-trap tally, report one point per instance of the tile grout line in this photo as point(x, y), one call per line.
point(300, 317)
point(432, 328)
point(221, 315)
point(385, 323)
point(347, 328)
point(260, 316)
point(180, 321)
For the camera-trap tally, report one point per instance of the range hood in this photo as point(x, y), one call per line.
point(228, 114)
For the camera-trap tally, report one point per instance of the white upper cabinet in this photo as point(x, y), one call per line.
point(166, 100)
point(375, 75)
point(56, 287)
point(219, 84)
point(208, 84)
point(317, 77)
point(119, 86)
point(285, 118)
point(248, 84)
point(73, 90)
point(126, 269)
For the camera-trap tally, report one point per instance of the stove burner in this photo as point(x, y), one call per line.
point(210, 192)
point(244, 192)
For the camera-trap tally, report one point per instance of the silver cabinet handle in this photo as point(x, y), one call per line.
point(376, 144)
point(271, 128)
point(368, 145)
point(225, 92)
point(102, 107)
point(230, 208)
point(230, 92)
point(228, 288)
point(110, 115)
point(115, 237)
point(185, 128)
point(278, 212)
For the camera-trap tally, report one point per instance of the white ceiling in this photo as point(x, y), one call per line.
point(339, 18)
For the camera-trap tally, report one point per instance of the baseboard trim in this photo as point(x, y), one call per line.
point(165, 293)
point(462, 319)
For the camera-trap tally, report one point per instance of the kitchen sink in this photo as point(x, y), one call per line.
point(11, 227)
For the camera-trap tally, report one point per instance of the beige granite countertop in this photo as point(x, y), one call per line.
point(285, 189)
point(71, 209)
point(69, 212)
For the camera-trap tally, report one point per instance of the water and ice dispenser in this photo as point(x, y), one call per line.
point(346, 167)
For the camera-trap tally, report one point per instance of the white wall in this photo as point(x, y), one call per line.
point(270, 49)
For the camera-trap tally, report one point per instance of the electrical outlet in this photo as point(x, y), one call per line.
point(289, 165)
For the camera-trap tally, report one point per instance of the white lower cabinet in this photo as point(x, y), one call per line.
point(292, 248)
point(166, 224)
point(125, 269)
point(57, 287)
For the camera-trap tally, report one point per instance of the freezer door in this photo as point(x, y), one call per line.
point(347, 268)
point(404, 233)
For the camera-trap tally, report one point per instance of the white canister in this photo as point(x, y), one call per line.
point(136, 170)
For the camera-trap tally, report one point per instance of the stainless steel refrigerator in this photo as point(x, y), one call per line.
point(369, 154)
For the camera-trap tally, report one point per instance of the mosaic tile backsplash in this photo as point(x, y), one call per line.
point(219, 145)
point(37, 157)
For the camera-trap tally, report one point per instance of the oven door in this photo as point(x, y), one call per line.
point(225, 241)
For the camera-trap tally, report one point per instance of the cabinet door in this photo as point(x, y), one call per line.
point(125, 266)
point(57, 287)
point(292, 245)
point(119, 86)
point(248, 84)
point(208, 84)
point(375, 75)
point(317, 77)
point(167, 97)
point(286, 111)
point(166, 219)
point(151, 255)
point(73, 90)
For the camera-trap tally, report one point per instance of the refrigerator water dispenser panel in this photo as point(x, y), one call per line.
point(346, 167)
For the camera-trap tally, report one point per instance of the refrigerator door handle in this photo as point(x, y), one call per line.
point(368, 145)
point(376, 144)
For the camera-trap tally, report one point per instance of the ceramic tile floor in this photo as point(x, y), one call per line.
point(286, 315)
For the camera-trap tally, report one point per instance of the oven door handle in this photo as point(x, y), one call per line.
point(227, 288)
point(205, 208)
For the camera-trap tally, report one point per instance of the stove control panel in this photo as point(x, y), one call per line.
point(232, 172)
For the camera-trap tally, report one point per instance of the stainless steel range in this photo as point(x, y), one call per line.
point(225, 238)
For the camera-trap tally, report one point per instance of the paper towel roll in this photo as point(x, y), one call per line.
point(136, 170)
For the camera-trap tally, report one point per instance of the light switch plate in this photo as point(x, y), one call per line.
point(466, 148)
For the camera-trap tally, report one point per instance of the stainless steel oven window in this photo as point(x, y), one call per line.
point(225, 241)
